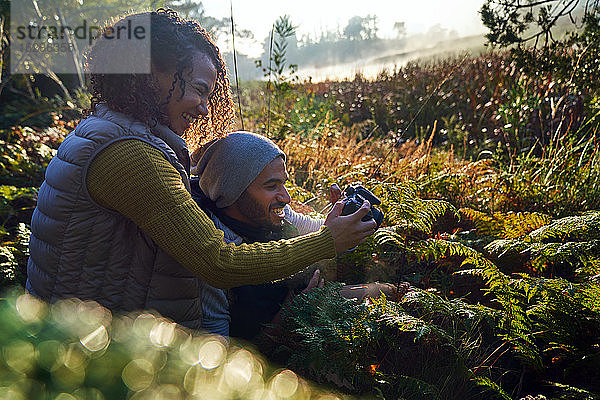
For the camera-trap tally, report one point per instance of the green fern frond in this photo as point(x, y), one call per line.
point(491, 387)
point(392, 314)
point(388, 237)
point(507, 225)
point(8, 266)
point(450, 314)
point(409, 213)
point(411, 386)
point(572, 393)
point(432, 250)
point(521, 223)
point(575, 229)
point(583, 256)
point(515, 324)
point(326, 333)
point(590, 295)
point(407, 323)
point(429, 250)
point(503, 247)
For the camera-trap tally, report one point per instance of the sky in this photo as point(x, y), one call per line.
point(315, 16)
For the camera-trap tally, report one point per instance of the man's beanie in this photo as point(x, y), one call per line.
point(230, 164)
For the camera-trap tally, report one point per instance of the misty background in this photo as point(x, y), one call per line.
point(365, 44)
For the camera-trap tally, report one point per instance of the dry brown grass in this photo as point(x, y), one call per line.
point(343, 157)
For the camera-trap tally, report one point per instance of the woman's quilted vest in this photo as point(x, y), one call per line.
point(80, 249)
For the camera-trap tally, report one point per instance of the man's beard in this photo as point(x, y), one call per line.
point(253, 211)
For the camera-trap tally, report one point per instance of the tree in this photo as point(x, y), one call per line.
point(437, 32)
point(361, 28)
point(521, 21)
point(575, 57)
point(400, 28)
point(218, 27)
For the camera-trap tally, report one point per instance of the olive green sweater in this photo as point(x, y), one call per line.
point(153, 196)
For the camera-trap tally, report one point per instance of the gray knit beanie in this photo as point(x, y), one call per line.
point(230, 164)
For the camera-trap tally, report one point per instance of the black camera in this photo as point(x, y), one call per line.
point(355, 197)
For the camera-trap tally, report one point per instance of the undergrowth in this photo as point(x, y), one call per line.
point(491, 202)
point(515, 313)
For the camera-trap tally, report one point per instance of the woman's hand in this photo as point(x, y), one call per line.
point(314, 282)
point(348, 230)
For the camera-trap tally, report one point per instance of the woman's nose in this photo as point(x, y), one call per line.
point(203, 108)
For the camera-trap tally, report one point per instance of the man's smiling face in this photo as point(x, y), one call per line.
point(261, 204)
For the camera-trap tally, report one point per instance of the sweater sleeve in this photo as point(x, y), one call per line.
point(303, 223)
point(134, 178)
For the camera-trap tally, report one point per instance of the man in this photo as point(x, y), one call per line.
point(241, 186)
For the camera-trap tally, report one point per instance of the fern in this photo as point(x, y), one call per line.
point(575, 228)
point(392, 315)
point(563, 311)
point(572, 393)
point(590, 294)
point(13, 257)
point(540, 311)
point(535, 319)
point(429, 250)
point(432, 306)
point(565, 246)
point(409, 213)
point(492, 387)
point(327, 339)
point(509, 225)
point(432, 250)
point(423, 347)
point(413, 387)
point(581, 257)
point(8, 266)
point(515, 325)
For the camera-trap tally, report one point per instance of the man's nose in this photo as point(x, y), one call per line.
point(284, 196)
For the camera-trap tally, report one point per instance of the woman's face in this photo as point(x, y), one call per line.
point(199, 84)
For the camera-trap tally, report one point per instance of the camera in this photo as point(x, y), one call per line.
point(356, 195)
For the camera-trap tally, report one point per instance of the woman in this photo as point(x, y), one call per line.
point(115, 221)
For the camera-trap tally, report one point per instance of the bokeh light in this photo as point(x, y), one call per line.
point(20, 356)
point(65, 396)
point(11, 394)
point(162, 334)
point(284, 384)
point(30, 308)
point(201, 383)
point(88, 394)
point(138, 374)
point(96, 340)
point(51, 354)
point(80, 351)
point(211, 354)
point(143, 324)
point(238, 370)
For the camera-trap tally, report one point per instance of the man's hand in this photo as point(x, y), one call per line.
point(335, 193)
point(348, 230)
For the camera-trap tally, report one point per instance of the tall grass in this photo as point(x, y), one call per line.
point(476, 131)
point(474, 159)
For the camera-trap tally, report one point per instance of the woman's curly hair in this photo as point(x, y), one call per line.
point(173, 43)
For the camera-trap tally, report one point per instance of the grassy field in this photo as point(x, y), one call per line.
point(489, 180)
